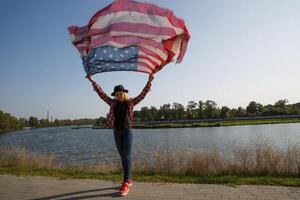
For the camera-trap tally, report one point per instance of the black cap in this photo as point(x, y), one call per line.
point(119, 88)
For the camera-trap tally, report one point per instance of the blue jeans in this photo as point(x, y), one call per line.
point(123, 140)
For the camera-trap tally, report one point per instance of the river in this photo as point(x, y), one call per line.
point(91, 145)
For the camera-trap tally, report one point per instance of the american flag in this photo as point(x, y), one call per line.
point(129, 35)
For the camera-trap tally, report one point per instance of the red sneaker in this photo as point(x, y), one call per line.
point(124, 189)
point(130, 182)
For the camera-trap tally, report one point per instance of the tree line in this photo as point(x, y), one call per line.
point(9, 122)
point(175, 111)
point(209, 109)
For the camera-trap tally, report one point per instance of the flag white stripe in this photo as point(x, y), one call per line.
point(151, 57)
point(146, 62)
point(157, 38)
point(144, 69)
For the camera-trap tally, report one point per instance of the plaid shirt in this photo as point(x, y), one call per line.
point(112, 102)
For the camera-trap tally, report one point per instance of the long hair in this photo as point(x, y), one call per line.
point(126, 97)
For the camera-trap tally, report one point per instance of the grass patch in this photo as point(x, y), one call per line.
point(208, 179)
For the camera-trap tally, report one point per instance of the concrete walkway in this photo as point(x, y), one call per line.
point(37, 187)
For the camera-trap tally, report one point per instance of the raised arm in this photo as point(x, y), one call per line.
point(142, 95)
point(100, 92)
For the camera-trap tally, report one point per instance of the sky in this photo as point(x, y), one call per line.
point(239, 51)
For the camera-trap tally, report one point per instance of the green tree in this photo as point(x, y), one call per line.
point(178, 110)
point(33, 121)
point(252, 108)
point(281, 103)
point(146, 114)
point(281, 106)
point(241, 112)
point(191, 110)
point(100, 121)
point(200, 109)
point(210, 109)
point(224, 113)
point(154, 113)
point(165, 111)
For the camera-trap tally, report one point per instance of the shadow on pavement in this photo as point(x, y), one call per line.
point(85, 196)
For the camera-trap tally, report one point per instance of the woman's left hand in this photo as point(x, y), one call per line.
point(90, 78)
point(151, 77)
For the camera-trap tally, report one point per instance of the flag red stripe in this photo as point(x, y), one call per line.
point(151, 53)
point(150, 60)
point(134, 28)
point(145, 65)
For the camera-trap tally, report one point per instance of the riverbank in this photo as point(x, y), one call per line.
point(211, 123)
point(257, 162)
point(29, 128)
point(23, 128)
point(9, 130)
point(162, 124)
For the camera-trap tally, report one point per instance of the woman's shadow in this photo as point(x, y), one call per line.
point(85, 196)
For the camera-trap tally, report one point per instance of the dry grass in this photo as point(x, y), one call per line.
point(262, 157)
point(12, 156)
point(257, 157)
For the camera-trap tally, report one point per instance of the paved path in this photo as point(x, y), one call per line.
point(37, 187)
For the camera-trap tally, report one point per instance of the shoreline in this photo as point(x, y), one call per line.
point(10, 130)
point(258, 162)
point(193, 124)
point(212, 123)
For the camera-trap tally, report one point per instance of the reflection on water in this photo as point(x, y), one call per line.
point(92, 145)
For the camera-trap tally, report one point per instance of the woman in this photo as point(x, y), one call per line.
point(120, 119)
